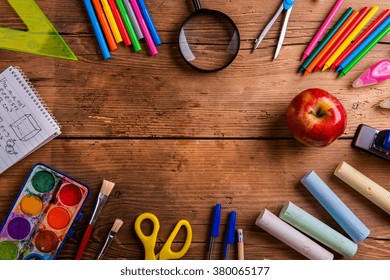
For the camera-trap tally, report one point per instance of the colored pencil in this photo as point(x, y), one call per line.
point(111, 21)
point(351, 36)
point(321, 30)
point(361, 38)
point(336, 41)
point(359, 57)
point(328, 36)
point(104, 25)
point(97, 29)
point(129, 27)
point(326, 48)
point(119, 22)
point(364, 44)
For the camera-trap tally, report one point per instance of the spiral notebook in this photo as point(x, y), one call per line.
point(26, 123)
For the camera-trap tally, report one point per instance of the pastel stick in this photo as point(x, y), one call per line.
point(336, 207)
point(292, 237)
point(364, 185)
point(313, 227)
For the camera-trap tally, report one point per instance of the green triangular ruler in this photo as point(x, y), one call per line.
point(40, 38)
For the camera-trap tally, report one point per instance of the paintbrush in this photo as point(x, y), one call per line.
point(105, 191)
point(115, 228)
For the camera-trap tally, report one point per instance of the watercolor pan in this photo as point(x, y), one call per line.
point(42, 216)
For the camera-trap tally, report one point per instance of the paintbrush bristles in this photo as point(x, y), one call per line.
point(117, 225)
point(107, 187)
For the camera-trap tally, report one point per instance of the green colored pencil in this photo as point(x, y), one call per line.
point(364, 51)
point(327, 38)
point(128, 25)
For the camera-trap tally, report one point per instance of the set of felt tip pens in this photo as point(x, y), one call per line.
point(347, 42)
point(127, 21)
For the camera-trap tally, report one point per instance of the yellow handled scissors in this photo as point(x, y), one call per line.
point(149, 241)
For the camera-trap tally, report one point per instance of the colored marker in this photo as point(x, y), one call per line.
point(111, 21)
point(104, 25)
point(96, 28)
point(362, 22)
point(362, 54)
point(326, 48)
point(364, 44)
point(129, 27)
point(329, 36)
point(150, 24)
point(148, 38)
point(133, 19)
point(322, 29)
point(360, 39)
point(119, 22)
point(377, 73)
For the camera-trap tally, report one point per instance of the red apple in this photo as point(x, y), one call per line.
point(316, 118)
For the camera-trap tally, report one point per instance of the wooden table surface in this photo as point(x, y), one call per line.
point(176, 141)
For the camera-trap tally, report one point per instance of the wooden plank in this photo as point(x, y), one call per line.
point(184, 179)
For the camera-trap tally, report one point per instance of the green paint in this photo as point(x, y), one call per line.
point(43, 181)
point(8, 250)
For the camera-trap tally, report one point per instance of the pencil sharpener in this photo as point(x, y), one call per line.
point(376, 142)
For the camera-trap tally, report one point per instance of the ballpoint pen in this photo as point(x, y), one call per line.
point(214, 230)
point(230, 232)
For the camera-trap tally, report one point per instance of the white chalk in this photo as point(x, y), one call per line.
point(318, 230)
point(292, 237)
point(364, 185)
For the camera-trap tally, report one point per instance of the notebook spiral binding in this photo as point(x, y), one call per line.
point(34, 95)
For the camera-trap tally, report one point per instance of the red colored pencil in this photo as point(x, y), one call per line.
point(360, 39)
point(119, 22)
point(343, 36)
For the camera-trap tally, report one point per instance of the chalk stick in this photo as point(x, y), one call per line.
point(292, 237)
point(311, 226)
point(336, 207)
point(364, 185)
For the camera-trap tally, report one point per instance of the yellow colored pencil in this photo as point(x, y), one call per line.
point(351, 36)
point(111, 21)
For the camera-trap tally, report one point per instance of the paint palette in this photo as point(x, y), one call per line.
point(42, 215)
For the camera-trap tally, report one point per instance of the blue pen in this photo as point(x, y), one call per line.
point(97, 29)
point(214, 229)
point(149, 22)
point(230, 233)
point(364, 44)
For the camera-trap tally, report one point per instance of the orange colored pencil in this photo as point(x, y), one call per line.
point(104, 25)
point(332, 41)
point(343, 36)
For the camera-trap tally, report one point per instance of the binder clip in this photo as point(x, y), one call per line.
point(372, 141)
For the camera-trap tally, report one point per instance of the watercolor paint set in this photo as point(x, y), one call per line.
point(42, 215)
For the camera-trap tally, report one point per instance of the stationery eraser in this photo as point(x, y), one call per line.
point(292, 237)
point(364, 185)
point(336, 207)
point(313, 227)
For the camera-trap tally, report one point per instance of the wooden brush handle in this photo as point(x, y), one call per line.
point(84, 242)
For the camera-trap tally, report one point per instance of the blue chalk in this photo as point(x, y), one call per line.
point(336, 208)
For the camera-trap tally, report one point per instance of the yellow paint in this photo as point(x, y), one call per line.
point(31, 205)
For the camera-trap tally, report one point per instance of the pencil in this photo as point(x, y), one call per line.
point(329, 36)
point(325, 49)
point(111, 21)
point(352, 35)
point(119, 22)
point(360, 38)
point(129, 27)
point(359, 57)
point(240, 244)
point(322, 29)
point(104, 25)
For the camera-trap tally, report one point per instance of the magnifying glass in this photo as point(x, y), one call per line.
point(208, 40)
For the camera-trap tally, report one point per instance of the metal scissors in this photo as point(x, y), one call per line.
point(285, 6)
point(149, 241)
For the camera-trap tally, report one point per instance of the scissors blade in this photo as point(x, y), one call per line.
point(282, 33)
point(267, 28)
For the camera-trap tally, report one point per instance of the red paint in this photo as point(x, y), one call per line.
point(70, 195)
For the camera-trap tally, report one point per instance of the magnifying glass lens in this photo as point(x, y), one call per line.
point(209, 40)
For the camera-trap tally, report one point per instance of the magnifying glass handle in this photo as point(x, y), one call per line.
point(197, 4)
